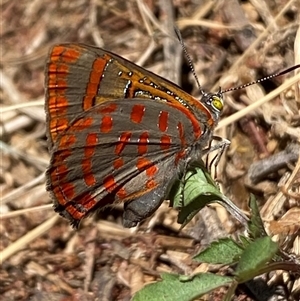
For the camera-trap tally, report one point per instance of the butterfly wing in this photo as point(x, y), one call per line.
point(120, 150)
point(78, 77)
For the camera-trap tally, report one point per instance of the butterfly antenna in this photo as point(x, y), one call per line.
point(263, 79)
point(188, 58)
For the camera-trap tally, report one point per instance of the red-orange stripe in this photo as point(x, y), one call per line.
point(69, 55)
point(143, 143)
point(89, 179)
point(181, 134)
point(78, 211)
point(57, 125)
point(93, 84)
point(59, 68)
point(163, 120)
point(82, 124)
point(56, 86)
point(59, 169)
point(121, 193)
point(144, 164)
point(110, 108)
point(88, 201)
point(91, 142)
point(137, 113)
point(67, 141)
point(165, 142)
point(118, 163)
point(77, 215)
point(151, 171)
point(150, 184)
point(59, 196)
point(106, 124)
point(123, 141)
point(191, 117)
point(68, 191)
point(109, 183)
point(56, 53)
point(180, 155)
point(57, 105)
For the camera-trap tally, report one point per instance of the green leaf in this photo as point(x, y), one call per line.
point(256, 225)
point(199, 190)
point(184, 191)
point(223, 251)
point(171, 288)
point(255, 257)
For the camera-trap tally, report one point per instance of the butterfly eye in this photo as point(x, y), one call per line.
point(217, 103)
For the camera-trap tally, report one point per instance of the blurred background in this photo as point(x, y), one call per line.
point(231, 43)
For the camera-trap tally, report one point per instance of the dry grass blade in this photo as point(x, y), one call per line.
point(257, 104)
point(297, 61)
point(26, 239)
point(259, 39)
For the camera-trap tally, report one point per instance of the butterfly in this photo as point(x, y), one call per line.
point(118, 133)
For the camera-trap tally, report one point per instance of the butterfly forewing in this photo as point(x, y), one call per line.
point(79, 76)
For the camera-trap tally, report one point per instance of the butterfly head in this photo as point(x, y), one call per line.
point(214, 103)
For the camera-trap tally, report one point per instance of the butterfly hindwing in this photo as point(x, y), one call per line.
point(119, 150)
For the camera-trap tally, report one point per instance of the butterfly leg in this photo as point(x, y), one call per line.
point(144, 206)
point(220, 147)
